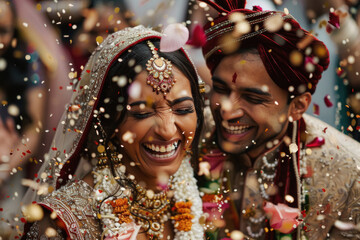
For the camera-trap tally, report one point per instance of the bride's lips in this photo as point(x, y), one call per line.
point(160, 151)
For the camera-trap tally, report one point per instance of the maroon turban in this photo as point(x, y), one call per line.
point(291, 55)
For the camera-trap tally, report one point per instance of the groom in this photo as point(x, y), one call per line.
point(287, 174)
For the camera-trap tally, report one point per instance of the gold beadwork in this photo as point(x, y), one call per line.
point(103, 159)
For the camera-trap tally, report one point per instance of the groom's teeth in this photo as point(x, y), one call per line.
point(235, 129)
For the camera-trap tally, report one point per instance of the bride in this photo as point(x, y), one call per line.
point(136, 114)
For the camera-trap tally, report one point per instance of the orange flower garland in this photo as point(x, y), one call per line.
point(183, 217)
point(121, 209)
point(121, 215)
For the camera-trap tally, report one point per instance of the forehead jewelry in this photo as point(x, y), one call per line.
point(160, 72)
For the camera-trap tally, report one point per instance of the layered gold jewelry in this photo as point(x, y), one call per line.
point(148, 211)
point(160, 77)
point(119, 205)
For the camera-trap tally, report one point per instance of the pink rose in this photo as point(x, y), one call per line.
point(282, 217)
point(130, 234)
point(216, 159)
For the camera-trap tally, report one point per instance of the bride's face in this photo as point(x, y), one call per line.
point(156, 131)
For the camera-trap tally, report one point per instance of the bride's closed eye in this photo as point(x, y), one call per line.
point(140, 114)
point(183, 110)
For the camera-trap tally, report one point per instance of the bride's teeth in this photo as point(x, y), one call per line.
point(170, 149)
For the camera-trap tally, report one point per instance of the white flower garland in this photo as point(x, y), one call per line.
point(183, 185)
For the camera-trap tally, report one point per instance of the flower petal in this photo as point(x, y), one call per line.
point(288, 212)
point(272, 211)
point(257, 8)
point(175, 37)
point(282, 217)
point(198, 37)
point(334, 19)
point(287, 226)
point(317, 142)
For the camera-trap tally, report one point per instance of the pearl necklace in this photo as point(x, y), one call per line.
point(267, 174)
point(267, 167)
point(183, 185)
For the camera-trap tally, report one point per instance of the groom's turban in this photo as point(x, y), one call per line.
point(293, 57)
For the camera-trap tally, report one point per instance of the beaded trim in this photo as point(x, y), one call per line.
point(243, 37)
point(221, 24)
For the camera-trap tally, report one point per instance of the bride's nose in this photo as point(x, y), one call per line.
point(165, 125)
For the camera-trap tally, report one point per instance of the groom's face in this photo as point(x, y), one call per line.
point(249, 109)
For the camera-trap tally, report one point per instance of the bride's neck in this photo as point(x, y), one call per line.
point(133, 172)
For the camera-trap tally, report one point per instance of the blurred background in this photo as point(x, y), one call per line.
point(44, 45)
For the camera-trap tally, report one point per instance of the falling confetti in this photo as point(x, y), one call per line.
point(204, 168)
point(327, 101)
point(3, 64)
point(13, 110)
point(293, 147)
point(274, 23)
point(234, 78)
point(296, 58)
point(317, 142)
point(128, 137)
point(334, 20)
point(316, 109)
point(236, 235)
point(135, 90)
point(32, 212)
point(344, 226)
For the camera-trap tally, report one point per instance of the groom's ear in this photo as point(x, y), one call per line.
point(299, 105)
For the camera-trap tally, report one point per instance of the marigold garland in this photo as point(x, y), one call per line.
point(183, 217)
point(117, 210)
point(121, 209)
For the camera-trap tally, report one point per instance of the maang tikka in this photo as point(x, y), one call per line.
point(160, 72)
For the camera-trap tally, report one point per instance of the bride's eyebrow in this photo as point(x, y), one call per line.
point(171, 103)
point(137, 103)
point(179, 100)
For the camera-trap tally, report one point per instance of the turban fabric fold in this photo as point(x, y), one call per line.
point(292, 56)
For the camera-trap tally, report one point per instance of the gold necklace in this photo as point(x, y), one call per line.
point(144, 207)
point(151, 211)
point(148, 209)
